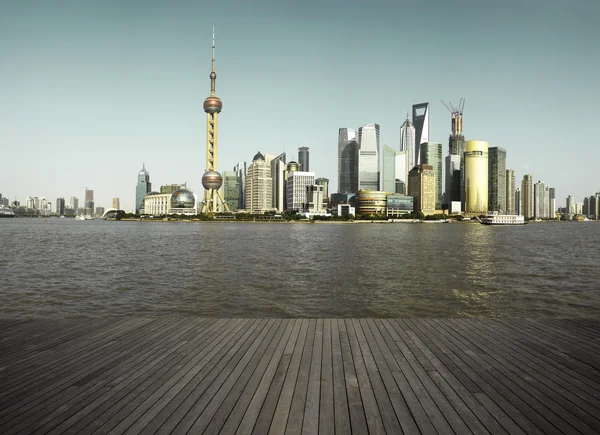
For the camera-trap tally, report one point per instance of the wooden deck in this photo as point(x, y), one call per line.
point(270, 376)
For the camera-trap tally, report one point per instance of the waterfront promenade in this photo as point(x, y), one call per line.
point(210, 375)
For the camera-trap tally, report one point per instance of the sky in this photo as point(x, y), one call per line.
point(91, 90)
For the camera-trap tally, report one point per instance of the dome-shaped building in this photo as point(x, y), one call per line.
point(258, 157)
point(183, 199)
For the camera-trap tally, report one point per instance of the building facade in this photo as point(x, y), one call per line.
point(497, 179)
point(407, 145)
point(431, 154)
point(476, 177)
point(347, 161)
point(453, 178)
point(231, 190)
point(421, 186)
point(60, 206)
point(368, 157)
point(259, 186)
point(116, 203)
point(371, 202)
point(142, 188)
point(398, 205)
point(325, 183)
point(297, 183)
point(527, 196)
point(303, 158)
point(510, 192)
point(420, 119)
point(279, 176)
point(538, 200)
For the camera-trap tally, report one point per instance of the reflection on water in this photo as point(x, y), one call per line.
point(97, 268)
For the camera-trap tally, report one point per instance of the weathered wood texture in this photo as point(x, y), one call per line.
point(299, 376)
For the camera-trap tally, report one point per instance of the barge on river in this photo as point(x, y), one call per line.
point(503, 219)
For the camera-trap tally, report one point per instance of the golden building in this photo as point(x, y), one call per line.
point(476, 177)
point(421, 186)
point(371, 202)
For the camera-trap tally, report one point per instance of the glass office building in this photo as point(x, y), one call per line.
point(431, 154)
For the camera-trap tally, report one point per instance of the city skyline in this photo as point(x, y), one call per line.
point(91, 94)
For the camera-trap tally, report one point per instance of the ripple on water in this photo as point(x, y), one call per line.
point(64, 268)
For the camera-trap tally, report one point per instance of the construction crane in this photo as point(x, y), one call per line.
point(457, 114)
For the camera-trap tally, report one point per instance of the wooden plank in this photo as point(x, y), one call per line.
point(260, 411)
point(374, 420)
point(141, 401)
point(358, 419)
point(296, 413)
point(310, 424)
point(96, 387)
point(340, 399)
point(541, 387)
point(204, 410)
point(196, 354)
point(284, 403)
point(326, 408)
point(230, 413)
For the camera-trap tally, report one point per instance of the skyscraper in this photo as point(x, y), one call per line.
point(552, 203)
point(527, 196)
point(518, 203)
point(297, 182)
point(421, 186)
point(510, 192)
point(476, 177)
point(116, 203)
point(538, 200)
point(231, 189)
point(407, 144)
point(212, 179)
point(497, 179)
point(142, 189)
point(303, 158)
point(368, 157)
point(89, 202)
point(278, 174)
point(347, 161)
point(420, 119)
point(60, 206)
point(456, 149)
point(74, 203)
point(259, 185)
point(325, 183)
point(388, 183)
point(431, 154)
point(241, 170)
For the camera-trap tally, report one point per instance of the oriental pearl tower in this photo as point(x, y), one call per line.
point(212, 180)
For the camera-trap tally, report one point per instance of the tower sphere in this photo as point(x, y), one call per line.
point(183, 198)
point(213, 104)
point(212, 180)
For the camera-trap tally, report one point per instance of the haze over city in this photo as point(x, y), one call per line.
point(92, 90)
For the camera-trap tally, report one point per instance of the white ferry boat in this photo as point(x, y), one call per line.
point(503, 219)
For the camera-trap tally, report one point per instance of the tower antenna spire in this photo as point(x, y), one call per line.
point(213, 74)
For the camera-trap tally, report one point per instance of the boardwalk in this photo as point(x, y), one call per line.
point(325, 376)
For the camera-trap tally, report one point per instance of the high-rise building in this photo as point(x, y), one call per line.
point(314, 199)
point(60, 206)
point(420, 119)
point(89, 202)
point(231, 190)
point(594, 207)
point(456, 149)
point(393, 175)
point(74, 203)
point(297, 182)
point(538, 200)
point(518, 206)
point(453, 178)
point(497, 179)
point(421, 186)
point(303, 158)
point(171, 188)
point(99, 211)
point(431, 154)
point(476, 177)
point(212, 179)
point(142, 189)
point(259, 185)
point(552, 202)
point(570, 208)
point(407, 144)
point(116, 203)
point(527, 196)
point(510, 192)
point(325, 183)
point(278, 174)
point(241, 170)
point(368, 157)
point(401, 173)
point(347, 161)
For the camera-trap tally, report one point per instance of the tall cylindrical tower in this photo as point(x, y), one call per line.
point(476, 177)
point(212, 179)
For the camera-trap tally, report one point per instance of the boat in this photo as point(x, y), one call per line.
point(83, 218)
point(503, 219)
point(6, 212)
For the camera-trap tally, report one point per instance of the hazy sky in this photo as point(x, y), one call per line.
point(92, 89)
